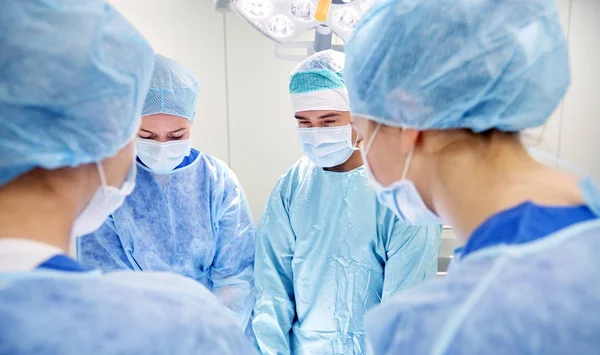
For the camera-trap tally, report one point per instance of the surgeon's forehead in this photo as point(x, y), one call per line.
point(164, 122)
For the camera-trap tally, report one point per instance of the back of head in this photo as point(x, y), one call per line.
point(445, 64)
point(173, 90)
point(317, 83)
point(73, 77)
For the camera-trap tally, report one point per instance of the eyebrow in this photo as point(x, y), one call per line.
point(172, 132)
point(327, 115)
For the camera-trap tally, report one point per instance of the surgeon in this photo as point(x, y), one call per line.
point(73, 77)
point(441, 108)
point(327, 250)
point(188, 214)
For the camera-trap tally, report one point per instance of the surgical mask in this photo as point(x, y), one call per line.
point(327, 147)
point(402, 197)
point(162, 158)
point(105, 201)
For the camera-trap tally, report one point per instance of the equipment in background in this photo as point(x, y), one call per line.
point(284, 20)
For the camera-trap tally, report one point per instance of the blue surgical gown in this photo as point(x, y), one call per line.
point(195, 222)
point(327, 252)
point(528, 283)
point(57, 310)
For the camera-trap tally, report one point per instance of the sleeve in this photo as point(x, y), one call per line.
point(412, 256)
point(275, 308)
point(232, 271)
point(103, 250)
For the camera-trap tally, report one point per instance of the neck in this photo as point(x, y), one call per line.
point(355, 161)
point(30, 211)
point(469, 190)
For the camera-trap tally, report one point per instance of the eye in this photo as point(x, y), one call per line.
point(303, 123)
point(145, 135)
point(176, 137)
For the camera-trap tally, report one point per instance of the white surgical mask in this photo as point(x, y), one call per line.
point(327, 147)
point(162, 158)
point(402, 196)
point(105, 201)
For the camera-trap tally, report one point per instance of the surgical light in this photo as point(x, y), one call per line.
point(280, 26)
point(366, 5)
point(284, 20)
point(303, 10)
point(256, 8)
point(346, 18)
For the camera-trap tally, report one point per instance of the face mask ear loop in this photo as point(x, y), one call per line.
point(355, 145)
point(101, 173)
point(407, 165)
point(372, 139)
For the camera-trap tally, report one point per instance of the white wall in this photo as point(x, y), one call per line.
point(244, 114)
point(192, 33)
point(573, 131)
point(579, 141)
point(262, 124)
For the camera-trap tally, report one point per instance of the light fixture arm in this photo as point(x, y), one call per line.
point(222, 5)
point(284, 20)
point(323, 38)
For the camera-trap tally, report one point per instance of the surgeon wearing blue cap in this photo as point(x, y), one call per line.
point(327, 250)
point(441, 90)
point(73, 78)
point(188, 214)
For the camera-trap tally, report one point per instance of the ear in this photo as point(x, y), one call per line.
point(409, 140)
point(360, 124)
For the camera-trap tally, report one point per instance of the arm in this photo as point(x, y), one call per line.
point(232, 271)
point(412, 256)
point(102, 249)
point(275, 308)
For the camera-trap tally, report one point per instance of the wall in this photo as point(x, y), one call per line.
point(579, 141)
point(263, 128)
point(244, 114)
point(573, 130)
point(192, 33)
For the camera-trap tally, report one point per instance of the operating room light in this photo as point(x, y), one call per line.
point(366, 5)
point(283, 21)
point(303, 10)
point(280, 26)
point(346, 18)
point(256, 8)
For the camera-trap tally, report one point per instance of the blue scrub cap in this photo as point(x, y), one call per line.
point(318, 84)
point(173, 91)
point(73, 77)
point(446, 64)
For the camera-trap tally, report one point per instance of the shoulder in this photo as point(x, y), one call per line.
point(492, 304)
point(172, 314)
point(299, 171)
point(411, 321)
point(216, 168)
point(181, 285)
point(302, 167)
point(210, 162)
